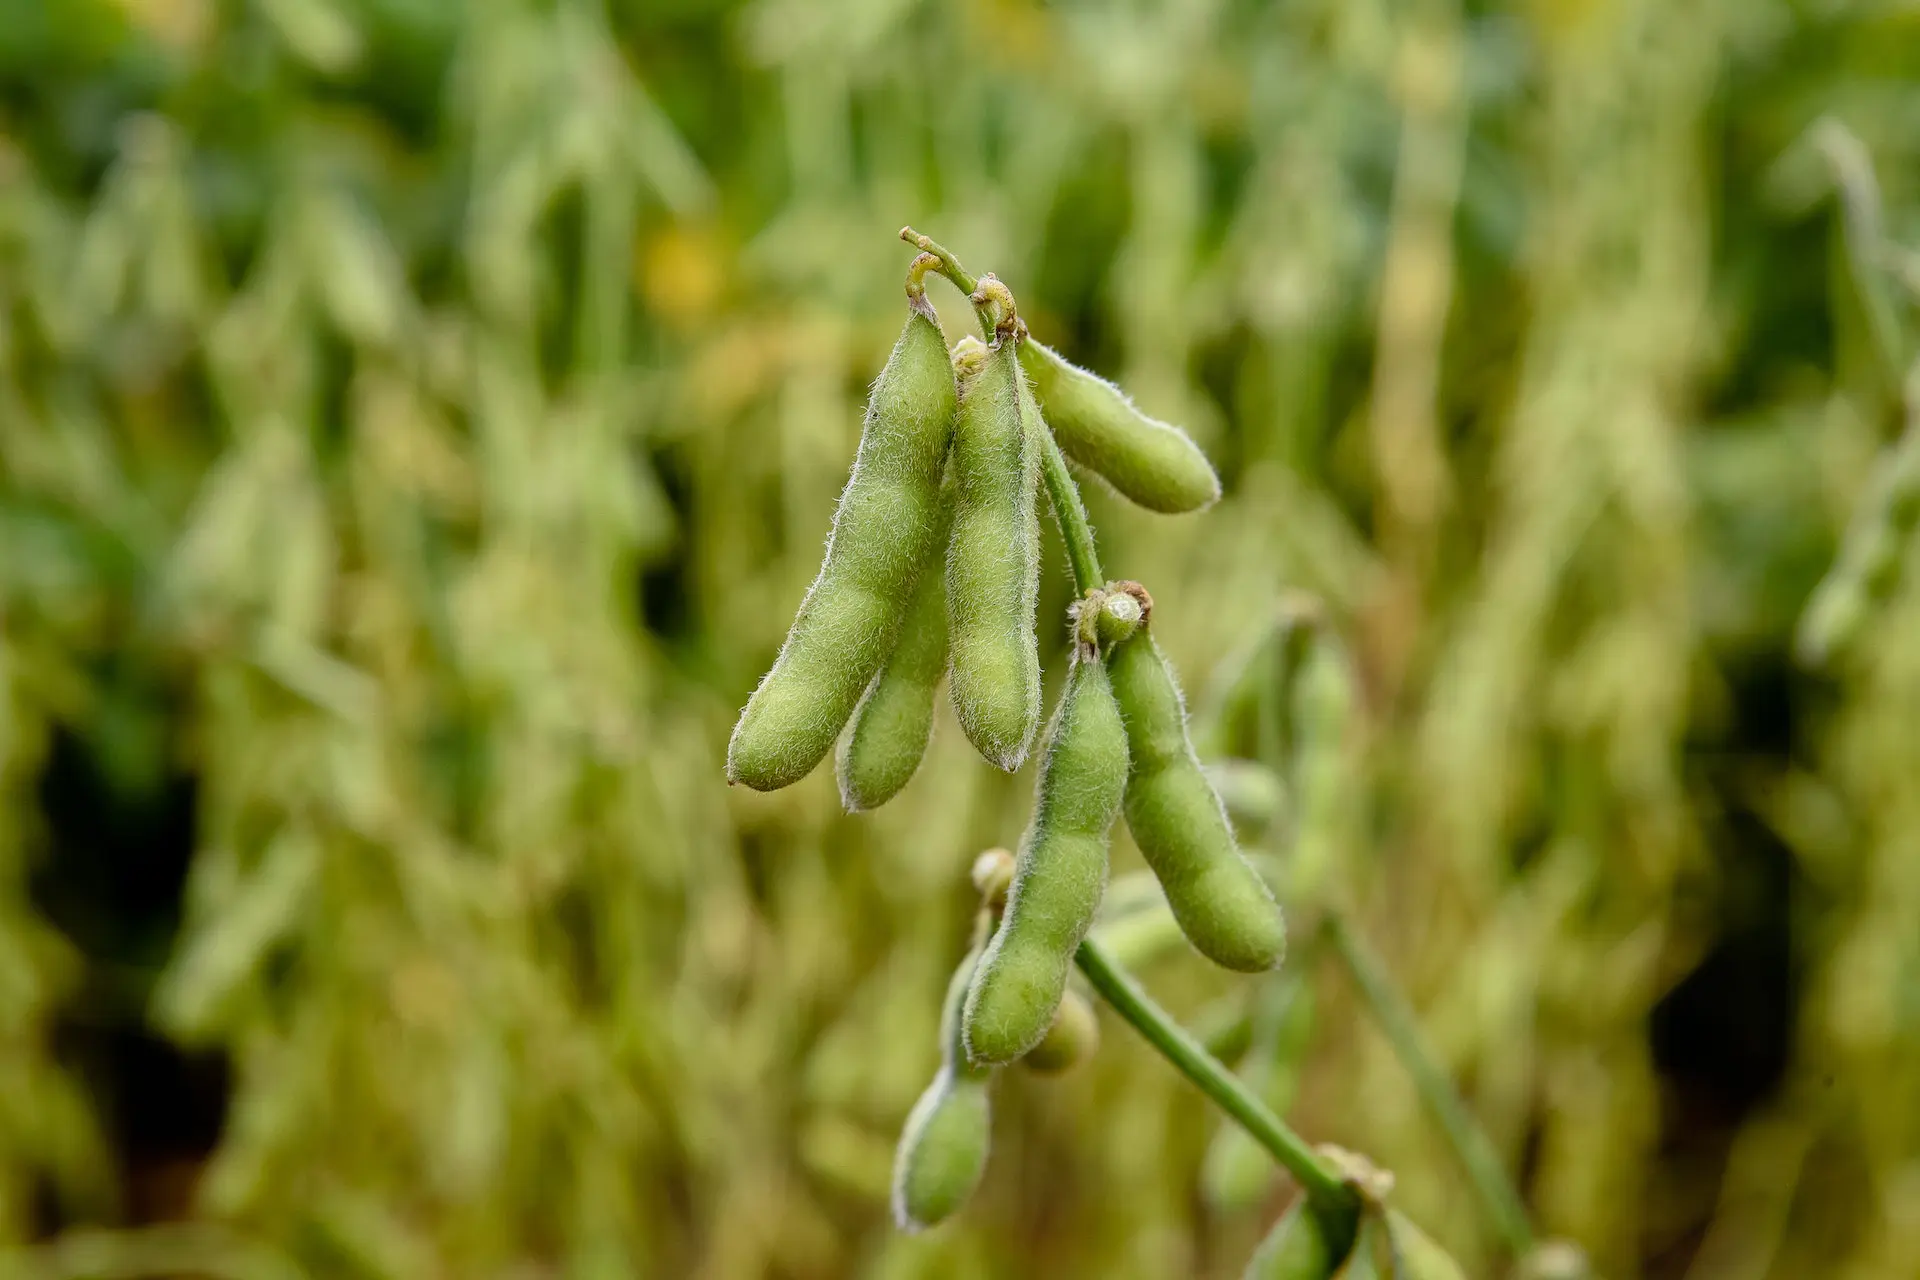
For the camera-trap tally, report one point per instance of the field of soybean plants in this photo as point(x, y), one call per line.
point(878, 640)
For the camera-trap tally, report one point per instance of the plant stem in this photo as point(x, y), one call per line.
point(1469, 1142)
point(986, 312)
point(949, 265)
point(1323, 1188)
point(1071, 516)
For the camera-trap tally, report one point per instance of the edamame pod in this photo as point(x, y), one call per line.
point(1300, 1247)
point(1222, 905)
point(1062, 868)
point(993, 563)
point(1153, 463)
point(883, 530)
point(943, 1149)
point(894, 721)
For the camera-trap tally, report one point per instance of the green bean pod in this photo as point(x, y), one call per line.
point(883, 530)
point(1153, 463)
point(1061, 871)
point(1222, 905)
point(1301, 1246)
point(993, 564)
point(943, 1149)
point(894, 721)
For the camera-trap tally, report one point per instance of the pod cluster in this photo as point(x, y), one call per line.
point(932, 567)
point(931, 570)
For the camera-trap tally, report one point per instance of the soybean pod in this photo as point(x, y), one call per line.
point(1060, 872)
point(894, 721)
point(1153, 463)
point(943, 1148)
point(1176, 818)
point(993, 557)
point(886, 523)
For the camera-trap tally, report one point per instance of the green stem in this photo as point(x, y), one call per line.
point(1323, 1188)
point(949, 265)
point(1072, 517)
point(1469, 1142)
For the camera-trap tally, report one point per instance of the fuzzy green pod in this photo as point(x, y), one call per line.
point(1062, 869)
point(883, 532)
point(943, 1148)
point(1301, 1246)
point(1073, 1037)
point(1223, 906)
point(993, 564)
point(894, 721)
point(1153, 463)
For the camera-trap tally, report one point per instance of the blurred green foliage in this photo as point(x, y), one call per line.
point(417, 422)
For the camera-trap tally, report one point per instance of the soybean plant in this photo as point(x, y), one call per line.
point(933, 564)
